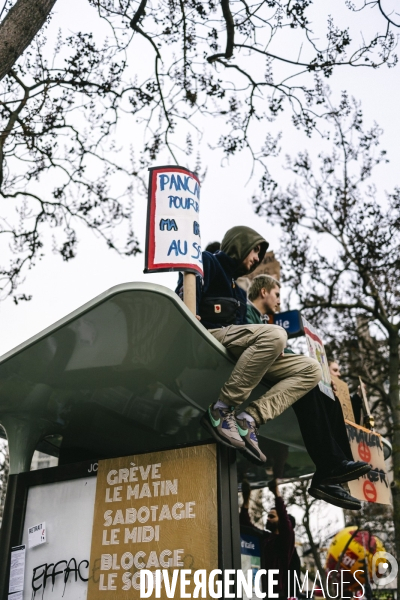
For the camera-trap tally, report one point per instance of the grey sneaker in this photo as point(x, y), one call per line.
point(221, 423)
point(248, 431)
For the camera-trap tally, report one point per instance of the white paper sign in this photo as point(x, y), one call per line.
point(173, 226)
point(59, 569)
point(17, 570)
point(316, 350)
point(37, 535)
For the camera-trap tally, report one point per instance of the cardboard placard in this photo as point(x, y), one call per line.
point(173, 241)
point(316, 350)
point(343, 394)
point(366, 445)
point(153, 511)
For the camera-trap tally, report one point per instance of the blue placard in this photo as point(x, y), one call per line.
point(290, 320)
point(250, 545)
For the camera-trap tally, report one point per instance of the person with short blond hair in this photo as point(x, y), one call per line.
point(263, 298)
point(259, 282)
point(320, 420)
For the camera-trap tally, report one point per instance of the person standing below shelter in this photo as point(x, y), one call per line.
point(320, 420)
point(278, 542)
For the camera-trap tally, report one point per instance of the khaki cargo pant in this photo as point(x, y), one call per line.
point(259, 350)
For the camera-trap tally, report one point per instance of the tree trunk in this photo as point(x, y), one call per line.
point(314, 548)
point(306, 523)
point(18, 29)
point(394, 364)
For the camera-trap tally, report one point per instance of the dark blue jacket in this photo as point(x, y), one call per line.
point(220, 271)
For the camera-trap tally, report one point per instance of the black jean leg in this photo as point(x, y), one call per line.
point(334, 413)
point(323, 429)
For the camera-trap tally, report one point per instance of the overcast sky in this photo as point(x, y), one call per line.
point(58, 287)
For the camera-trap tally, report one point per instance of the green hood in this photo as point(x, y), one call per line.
point(240, 240)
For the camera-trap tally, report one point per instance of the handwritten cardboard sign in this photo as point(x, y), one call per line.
point(153, 511)
point(366, 445)
point(342, 392)
point(173, 227)
point(316, 350)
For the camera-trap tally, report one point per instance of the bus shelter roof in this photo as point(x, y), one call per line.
point(131, 371)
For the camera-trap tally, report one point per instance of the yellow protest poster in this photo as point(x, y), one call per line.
point(153, 511)
point(366, 445)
